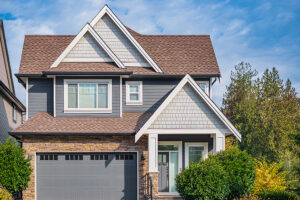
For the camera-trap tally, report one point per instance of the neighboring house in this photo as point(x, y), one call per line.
point(10, 107)
point(109, 109)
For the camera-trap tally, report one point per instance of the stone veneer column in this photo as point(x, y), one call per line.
point(154, 176)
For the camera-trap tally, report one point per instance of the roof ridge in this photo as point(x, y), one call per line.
point(165, 35)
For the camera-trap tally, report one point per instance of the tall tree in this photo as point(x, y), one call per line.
point(265, 111)
point(238, 102)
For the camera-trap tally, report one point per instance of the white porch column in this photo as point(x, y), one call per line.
point(219, 142)
point(153, 152)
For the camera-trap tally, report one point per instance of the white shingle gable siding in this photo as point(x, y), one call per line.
point(187, 111)
point(118, 42)
point(87, 47)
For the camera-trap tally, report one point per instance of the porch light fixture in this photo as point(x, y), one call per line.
point(143, 157)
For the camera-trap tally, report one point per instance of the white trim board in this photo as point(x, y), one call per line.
point(27, 107)
point(107, 10)
point(99, 40)
point(202, 94)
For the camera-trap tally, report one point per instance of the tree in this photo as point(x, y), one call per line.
point(239, 100)
point(15, 169)
point(265, 111)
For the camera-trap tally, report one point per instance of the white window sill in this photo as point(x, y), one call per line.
point(134, 103)
point(175, 194)
point(87, 111)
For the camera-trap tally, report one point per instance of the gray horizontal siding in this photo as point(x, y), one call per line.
point(115, 98)
point(155, 92)
point(40, 96)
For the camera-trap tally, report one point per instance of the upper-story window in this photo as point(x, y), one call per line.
point(14, 113)
point(204, 85)
point(134, 92)
point(88, 96)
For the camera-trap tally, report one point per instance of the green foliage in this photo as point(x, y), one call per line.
point(266, 111)
point(15, 170)
point(226, 175)
point(270, 177)
point(278, 195)
point(240, 167)
point(205, 180)
point(4, 194)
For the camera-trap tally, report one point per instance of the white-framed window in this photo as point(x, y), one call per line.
point(14, 113)
point(204, 85)
point(88, 96)
point(170, 152)
point(195, 152)
point(134, 93)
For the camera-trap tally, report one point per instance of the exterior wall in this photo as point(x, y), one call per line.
point(189, 138)
point(187, 110)
point(155, 91)
point(6, 118)
point(115, 98)
point(3, 72)
point(33, 144)
point(87, 47)
point(118, 42)
point(40, 96)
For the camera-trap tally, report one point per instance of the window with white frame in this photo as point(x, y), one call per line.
point(88, 95)
point(134, 92)
point(14, 113)
point(195, 152)
point(204, 85)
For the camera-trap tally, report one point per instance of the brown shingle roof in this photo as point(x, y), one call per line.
point(44, 123)
point(174, 54)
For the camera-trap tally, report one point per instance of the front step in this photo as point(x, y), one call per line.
point(168, 197)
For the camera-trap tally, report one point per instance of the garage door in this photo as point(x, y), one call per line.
point(69, 176)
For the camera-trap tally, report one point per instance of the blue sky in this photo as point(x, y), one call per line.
point(264, 33)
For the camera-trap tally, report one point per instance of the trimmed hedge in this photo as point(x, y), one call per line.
point(228, 175)
point(278, 195)
point(205, 180)
point(240, 167)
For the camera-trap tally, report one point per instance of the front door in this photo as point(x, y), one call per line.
point(163, 168)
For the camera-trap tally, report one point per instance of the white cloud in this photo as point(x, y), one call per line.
point(234, 36)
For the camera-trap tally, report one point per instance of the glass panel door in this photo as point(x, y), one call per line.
point(173, 170)
point(169, 151)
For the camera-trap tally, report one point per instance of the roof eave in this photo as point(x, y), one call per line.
point(85, 73)
point(8, 93)
point(68, 134)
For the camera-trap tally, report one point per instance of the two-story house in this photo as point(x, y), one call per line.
point(110, 109)
point(10, 107)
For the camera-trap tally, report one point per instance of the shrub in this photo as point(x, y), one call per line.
point(15, 170)
point(205, 180)
point(278, 195)
point(270, 177)
point(240, 167)
point(4, 194)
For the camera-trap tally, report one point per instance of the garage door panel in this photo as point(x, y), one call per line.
point(113, 177)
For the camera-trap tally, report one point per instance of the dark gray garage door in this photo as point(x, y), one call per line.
point(69, 176)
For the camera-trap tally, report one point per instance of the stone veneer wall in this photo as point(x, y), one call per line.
point(33, 144)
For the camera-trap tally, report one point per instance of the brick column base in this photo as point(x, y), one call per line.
point(154, 176)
